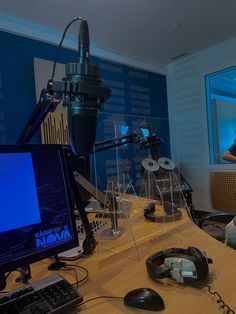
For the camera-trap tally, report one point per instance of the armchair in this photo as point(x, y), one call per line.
point(223, 198)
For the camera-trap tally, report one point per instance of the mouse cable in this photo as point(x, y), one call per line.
point(100, 297)
point(219, 300)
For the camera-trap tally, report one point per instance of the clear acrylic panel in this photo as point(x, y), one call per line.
point(137, 171)
point(115, 215)
point(156, 176)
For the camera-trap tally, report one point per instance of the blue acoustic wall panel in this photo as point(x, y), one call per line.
point(139, 99)
point(17, 95)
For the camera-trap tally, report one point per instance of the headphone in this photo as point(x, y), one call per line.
point(172, 213)
point(181, 265)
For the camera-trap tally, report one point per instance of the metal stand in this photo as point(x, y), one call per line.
point(89, 243)
point(57, 264)
point(114, 231)
point(107, 202)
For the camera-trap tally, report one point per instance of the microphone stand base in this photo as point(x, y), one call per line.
point(112, 233)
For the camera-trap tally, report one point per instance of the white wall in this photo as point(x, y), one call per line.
point(188, 116)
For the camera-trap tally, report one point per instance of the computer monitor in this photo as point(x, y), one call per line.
point(124, 130)
point(145, 132)
point(36, 209)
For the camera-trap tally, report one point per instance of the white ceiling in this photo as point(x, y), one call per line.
point(144, 29)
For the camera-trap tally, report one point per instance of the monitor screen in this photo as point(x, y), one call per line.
point(123, 130)
point(36, 211)
point(145, 132)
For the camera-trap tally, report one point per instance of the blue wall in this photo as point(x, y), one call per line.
point(139, 98)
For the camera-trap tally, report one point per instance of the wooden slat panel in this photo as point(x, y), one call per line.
point(223, 190)
point(54, 129)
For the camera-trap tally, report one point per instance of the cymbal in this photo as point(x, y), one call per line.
point(166, 163)
point(150, 164)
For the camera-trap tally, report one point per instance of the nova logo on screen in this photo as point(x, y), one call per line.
point(51, 236)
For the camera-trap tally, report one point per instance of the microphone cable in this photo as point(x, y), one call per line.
point(60, 44)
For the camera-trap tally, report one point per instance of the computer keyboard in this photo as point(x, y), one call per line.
point(49, 295)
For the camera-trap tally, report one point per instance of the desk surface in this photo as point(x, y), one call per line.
point(118, 267)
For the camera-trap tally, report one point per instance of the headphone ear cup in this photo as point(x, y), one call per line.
point(201, 262)
point(169, 208)
point(187, 257)
point(149, 211)
point(149, 214)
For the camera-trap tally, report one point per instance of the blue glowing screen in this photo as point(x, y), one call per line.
point(19, 205)
point(36, 217)
point(145, 132)
point(126, 130)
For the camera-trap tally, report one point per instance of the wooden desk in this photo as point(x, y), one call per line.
point(116, 274)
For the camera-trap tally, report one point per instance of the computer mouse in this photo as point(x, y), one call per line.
point(144, 298)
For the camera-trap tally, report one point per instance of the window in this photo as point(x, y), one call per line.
point(221, 109)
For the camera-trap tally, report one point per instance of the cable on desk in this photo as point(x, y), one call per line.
point(219, 300)
point(76, 275)
point(8, 274)
point(86, 274)
point(5, 291)
point(77, 282)
point(73, 267)
point(100, 297)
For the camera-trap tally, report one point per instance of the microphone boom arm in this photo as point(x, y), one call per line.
point(45, 104)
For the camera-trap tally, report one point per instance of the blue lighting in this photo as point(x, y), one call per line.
point(221, 109)
point(18, 195)
point(123, 130)
point(227, 134)
point(145, 132)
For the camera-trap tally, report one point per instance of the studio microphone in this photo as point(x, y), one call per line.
point(84, 93)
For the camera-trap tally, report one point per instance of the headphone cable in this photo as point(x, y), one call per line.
point(219, 300)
